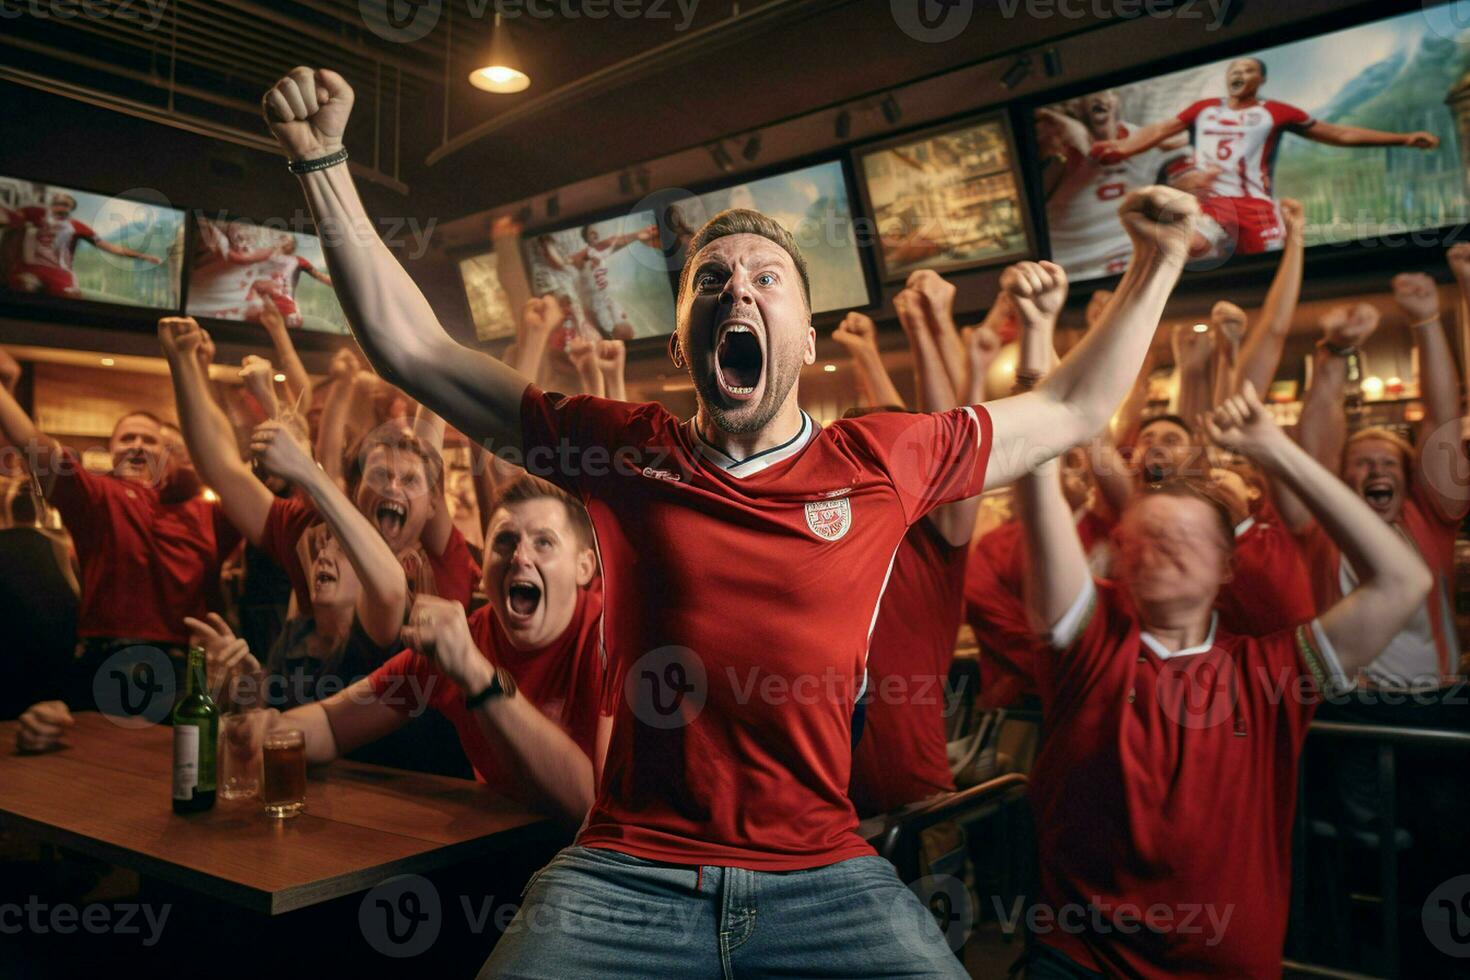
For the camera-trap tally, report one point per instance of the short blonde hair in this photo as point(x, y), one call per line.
point(1378, 433)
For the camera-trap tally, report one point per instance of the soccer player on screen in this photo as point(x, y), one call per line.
point(1235, 142)
point(745, 546)
point(594, 284)
point(1082, 201)
point(48, 240)
point(276, 279)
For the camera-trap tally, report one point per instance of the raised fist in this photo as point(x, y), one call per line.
point(981, 344)
point(1294, 216)
point(259, 377)
point(856, 333)
point(1229, 320)
point(1349, 326)
point(307, 112)
point(1160, 220)
point(1037, 291)
point(936, 292)
point(181, 337)
point(611, 355)
point(280, 451)
point(1095, 306)
point(1458, 258)
point(541, 315)
point(1193, 350)
point(1242, 424)
point(1417, 295)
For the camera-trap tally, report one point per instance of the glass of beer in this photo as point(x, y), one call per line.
point(240, 735)
point(283, 790)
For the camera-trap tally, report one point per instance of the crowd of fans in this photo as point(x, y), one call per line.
point(370, 588)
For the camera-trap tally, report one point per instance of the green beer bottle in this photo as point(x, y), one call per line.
point(196, 735)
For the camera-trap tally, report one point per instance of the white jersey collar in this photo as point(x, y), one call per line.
point(756, 462)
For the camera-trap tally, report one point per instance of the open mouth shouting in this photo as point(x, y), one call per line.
point(522, 599)
point(1380, 495)
point(391, 516)
point(740, 360)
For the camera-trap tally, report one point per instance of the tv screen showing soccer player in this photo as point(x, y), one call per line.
point(489, 306)
point(64, 243)
point(1359, 125)
point(238, 269)
point(815, 205)
point(610, 277)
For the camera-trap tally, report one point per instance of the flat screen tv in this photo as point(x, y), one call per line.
point(62, 244)
point(237, 269)
point(1364, 126)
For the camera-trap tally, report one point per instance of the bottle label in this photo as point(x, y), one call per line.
point(186, 761)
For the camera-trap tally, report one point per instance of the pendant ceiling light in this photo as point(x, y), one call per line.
point(502, 72)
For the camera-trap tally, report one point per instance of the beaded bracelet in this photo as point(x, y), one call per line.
point(299, 167)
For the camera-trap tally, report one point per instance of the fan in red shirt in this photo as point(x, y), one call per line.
point(1235, 142)
point(150, 549)
point(1420, 491)
point(46, 240)
point(745, 552)
point(537, 640)
point(901, 755)
point(393, 476)
point(1165, 791)
point(150, 546)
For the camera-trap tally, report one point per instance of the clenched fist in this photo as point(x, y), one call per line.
point(1037, 291)
point(1229, 320)
point(1417, 295)
point(856, 333)
point(1160, 220)
point(307, 112)
point(1349, 326)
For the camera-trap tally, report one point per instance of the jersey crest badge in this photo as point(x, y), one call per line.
point(829, 519)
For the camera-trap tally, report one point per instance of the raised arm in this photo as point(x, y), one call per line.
point(612, 363)
point(430, 430)
point(384, 598)
point(583, 355)
point(545, 754)
point(1322, 430)
point(394, 324)
point(539, 317)
point(17, 428)
point(1194, 365)
point(1393, 580)
point(936, 300)
point(859, 337)
point(1260, 355)
point(258, 375)
point(916, 305)
point(298, 382)
point(505, 235)
point(124, 251)
point(208, 433)
point(1443, 470)
point(331, 435)
point(1077, 399)
point(1336, 135)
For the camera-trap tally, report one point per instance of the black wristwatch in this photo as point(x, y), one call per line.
point(502, 685)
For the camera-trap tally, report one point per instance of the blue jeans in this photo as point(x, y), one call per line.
point(594, 914)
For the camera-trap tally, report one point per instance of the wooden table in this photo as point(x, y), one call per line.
point(108, 796)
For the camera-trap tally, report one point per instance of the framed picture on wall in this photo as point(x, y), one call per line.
point(489, 305)
point(946, 199)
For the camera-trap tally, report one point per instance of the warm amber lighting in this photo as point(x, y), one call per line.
point(108, 362)
point(281, 378)
point(830, 368)
point(501, 73)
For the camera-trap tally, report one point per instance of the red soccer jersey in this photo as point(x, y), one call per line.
point(740, 596)
point(1165, 791)
point(564, 680)
point(995, 608)
point(146, 562)
point(51, 242)
point(1241, 143)
point(1270, 588)
point(901, 756)
point(451, 574)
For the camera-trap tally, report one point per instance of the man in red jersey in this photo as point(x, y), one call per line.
point(901, 754)
point(537, 641)
point(744, 553)
point(150, 546)
point(1235, 141)
point(394, 477)
point(1164, 793)
point(47, 243)
point(1419, 490)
